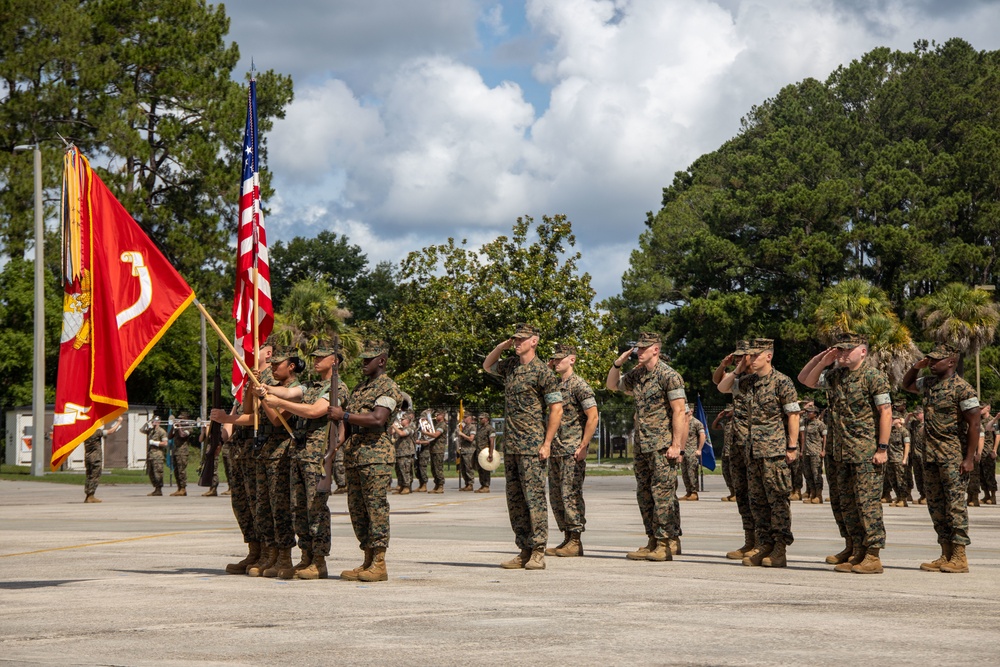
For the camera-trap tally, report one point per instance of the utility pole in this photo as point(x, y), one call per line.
point(38, 371)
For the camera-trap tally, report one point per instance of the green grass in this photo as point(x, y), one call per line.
point(109, 475)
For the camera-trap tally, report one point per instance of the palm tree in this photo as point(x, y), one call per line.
point(844, 306)
point(960, 315)
point(857, 306)
point(311, 314)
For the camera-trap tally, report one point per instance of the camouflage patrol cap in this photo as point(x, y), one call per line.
point(272, 341)
point(760, 345)
point(849, 341)
point(282, 354)
point(483, 415)
point(323, 350)
point(741, 348)
point(647, 338)
point(943, 351)
point(563, 351)
point(899, 407)
point(373, 348)
point(524, 330)
point(811, 408)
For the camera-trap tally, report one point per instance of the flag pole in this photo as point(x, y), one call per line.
point(239, 359)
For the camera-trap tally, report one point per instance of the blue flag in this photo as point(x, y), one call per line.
point(707, 452)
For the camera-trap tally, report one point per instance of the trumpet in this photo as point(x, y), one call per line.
point(189, 423)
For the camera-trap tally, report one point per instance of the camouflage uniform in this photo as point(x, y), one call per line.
point(405, 451)
point(690, 462)
point(182, 440)
point(369, 456)
point(899, 438)
point(988, 463)
point(655, 474)
point(944, 449)
point(917, 439)
point(156, 456)
point(528, 389)
point(310, 508)
point(467, 451)
point(738, 456)
point(93, 461)
point(438, 447)
point(339, 470)
point(274, 474)
point(242, 487)
point(482, 442)
point(975, 484)
point(724, 457)
point(855, 399)
point(795, 470)
point(773, 396)
point(566, 474)
point(423, 456)
point(812, 455)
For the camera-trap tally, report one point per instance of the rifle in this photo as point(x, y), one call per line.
point(208, 463)
point(333, 428)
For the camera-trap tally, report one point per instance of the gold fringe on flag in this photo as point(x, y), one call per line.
point(76, 170)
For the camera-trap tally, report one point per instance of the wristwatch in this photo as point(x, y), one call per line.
point(791, 449)
point(882, 446)
point(347, 417)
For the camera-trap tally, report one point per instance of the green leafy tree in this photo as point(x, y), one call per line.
point(455, 304)
point(886, 172)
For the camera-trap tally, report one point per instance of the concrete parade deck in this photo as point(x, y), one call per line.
point(140, 581)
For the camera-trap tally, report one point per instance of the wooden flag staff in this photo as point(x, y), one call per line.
point(239, 359)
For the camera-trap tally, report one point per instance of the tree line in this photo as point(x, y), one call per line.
point(867, 201)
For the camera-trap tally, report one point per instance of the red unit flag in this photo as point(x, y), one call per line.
point(120, 296)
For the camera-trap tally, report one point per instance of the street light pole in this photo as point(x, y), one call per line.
point(38, 370)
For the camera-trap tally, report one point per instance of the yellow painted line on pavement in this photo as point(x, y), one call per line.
point(121, 541)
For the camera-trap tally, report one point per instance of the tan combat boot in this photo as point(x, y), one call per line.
point(267, 557)
point(796, 495)
point(315, 570)
point(675, 545)
point(902, 502)
point(661, 552)
point(777, 556)
point(421, 489)
point(749, 541)
point(536, 561)
point(377, 570)
point(483, 489)
point(251, 558)
point(935, 565)
point(179, 492)
point(518, 561)
point(156, 492)
point(757, 555)
point(973, 500)
point(686, 496)
point(572, 548)
point(91, 499)
point(808, 498)
point(352, 575)
point(282, 561)
point(642, 552)
point(958, 561)
point(870, 565)
point(305, 561)
point(843, 556)
point(551, 551)
point(693, 496)
point(396, 490)
point(405, 491)
point(211, 493)
point(284, 567)
point(856, 557)
point(817, 499)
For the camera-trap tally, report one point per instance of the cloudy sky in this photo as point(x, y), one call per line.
point(416, 120)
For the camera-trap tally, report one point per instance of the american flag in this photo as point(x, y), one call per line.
point(251, 252)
